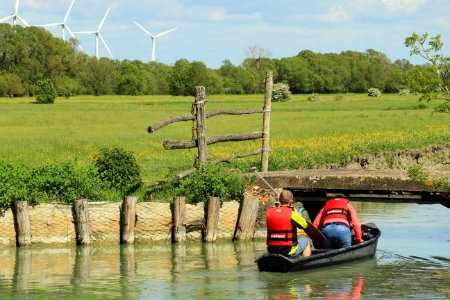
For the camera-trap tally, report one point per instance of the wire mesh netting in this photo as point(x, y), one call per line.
point(54, 223)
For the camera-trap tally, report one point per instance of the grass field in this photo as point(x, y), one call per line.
point(303, 134)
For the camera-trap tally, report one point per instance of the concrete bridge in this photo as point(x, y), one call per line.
point(359, 185)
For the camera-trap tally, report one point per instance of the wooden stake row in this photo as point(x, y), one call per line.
point(245, 229)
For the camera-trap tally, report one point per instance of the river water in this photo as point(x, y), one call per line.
point(412, 262)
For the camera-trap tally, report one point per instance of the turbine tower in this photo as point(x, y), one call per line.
point(98, 35)
point(63, 24)
point(15, 16)
point(154, 37)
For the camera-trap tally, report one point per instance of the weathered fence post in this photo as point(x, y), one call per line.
point(200, 100)
point(127, 220)
point(179, 219)
point(247, 218)
point(22, 223)
point(266, 123)
point(81, 217)
point(212, 219)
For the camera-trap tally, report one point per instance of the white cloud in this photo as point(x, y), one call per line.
point(403, 5)
point(336, 13)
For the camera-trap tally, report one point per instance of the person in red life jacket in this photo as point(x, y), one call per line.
point(335, 220)
point(282, 223)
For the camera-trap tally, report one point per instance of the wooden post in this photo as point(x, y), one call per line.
point(247, 218)
point(22, 268)
point(179, 219)
point(212, 219)
point(200, 100)
point(22, 223)
point(127, 220)
point(82, 267)
point(81, 216)
point(266, 123)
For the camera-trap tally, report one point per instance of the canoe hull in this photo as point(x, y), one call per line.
point(320, 258)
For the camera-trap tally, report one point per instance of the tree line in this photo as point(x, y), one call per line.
point(30, 54)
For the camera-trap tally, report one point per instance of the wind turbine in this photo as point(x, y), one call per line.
point(63, 24)
point(15, 16)
point(98, 35)
point(154, 37)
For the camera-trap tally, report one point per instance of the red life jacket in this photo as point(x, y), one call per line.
point(280, 231)
point(336, 208)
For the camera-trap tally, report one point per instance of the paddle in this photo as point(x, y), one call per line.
point(315, 234)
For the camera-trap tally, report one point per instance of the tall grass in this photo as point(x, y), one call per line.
point(303, 134)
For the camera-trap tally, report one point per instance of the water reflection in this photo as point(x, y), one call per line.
point(409, 264)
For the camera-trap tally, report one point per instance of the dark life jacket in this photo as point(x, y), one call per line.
point(336, 208)
point(280, 231)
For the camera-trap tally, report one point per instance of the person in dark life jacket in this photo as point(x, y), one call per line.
point(282, 223)
point(336, 220)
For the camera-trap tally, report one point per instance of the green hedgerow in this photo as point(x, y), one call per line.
point(14, 180)
point(207, 181)
point(65, 182)
point(118, 169)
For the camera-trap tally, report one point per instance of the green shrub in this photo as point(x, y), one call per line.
point(44, 91)
point(314, 97)
point(65, 182)
point(374, 92)
point(281, 92)
point(14, 180)
point(404, 92)
point(118, 169)
point(207, 181)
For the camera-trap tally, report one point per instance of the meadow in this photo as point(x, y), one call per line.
point(304, 134)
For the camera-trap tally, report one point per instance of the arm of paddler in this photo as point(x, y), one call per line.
point(299, 220)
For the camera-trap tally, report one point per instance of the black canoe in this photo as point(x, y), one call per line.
point(321, 257)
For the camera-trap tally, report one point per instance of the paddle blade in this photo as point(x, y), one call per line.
point(315, 234)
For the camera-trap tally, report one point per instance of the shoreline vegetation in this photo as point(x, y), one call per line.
point(338, 131)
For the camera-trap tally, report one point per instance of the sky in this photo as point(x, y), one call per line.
point(212, 31)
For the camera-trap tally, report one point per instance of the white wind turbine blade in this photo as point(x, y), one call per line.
point(85, 32)
point(7, 18)
point(103, 20)
point(166, 32)
point(23, 21)
point(73, 36)
point(145, 30)
point(16, 11)
point(106, 45)
point(49, 25)
point(68, 12)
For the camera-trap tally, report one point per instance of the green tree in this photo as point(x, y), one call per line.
point(432, 81)
point(44, 91)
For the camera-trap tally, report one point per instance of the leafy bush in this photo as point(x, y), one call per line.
point(44, 91)
point(404, 92)
point(374, 92)
point(207, 181)
point(14, 180)
point(281, 92)
point(64, 182)
point(314, 97)
point(118, 169)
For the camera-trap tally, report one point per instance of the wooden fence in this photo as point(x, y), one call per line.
point(243, 224)
point(201, 141)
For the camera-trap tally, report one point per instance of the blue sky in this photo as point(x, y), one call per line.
point(214, 30)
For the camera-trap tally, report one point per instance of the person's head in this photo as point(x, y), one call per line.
point(286, 198)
